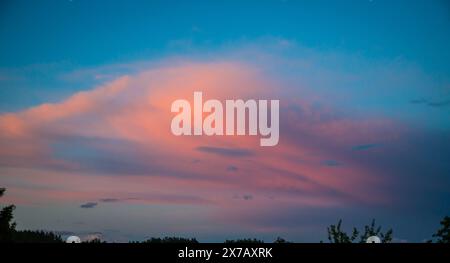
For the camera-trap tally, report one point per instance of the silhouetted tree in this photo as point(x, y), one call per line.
point(280, 240)
point(443, 234)
point(8, 232)
point(337, 235)
point(39, 236)
point(7, 227)
point(244, 240)
point(181, 240)
point(372, 230)
point(94, 241)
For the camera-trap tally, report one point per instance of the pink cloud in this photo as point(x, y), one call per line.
point(135, 110)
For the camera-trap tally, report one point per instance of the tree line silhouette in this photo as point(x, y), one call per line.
point(336, 234)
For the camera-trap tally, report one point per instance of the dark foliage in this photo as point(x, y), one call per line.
point(443, 234)
point(244, 241)
point(180, 240)
point(8, 232)
point(7, 227)
point(28, 236)
point(337, 235)
point(94, 241)
point(280, 240)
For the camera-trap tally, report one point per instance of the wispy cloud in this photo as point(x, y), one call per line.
point(245, 197)
point(363, 147)
point(432, 103)
point(89, 205)
point(231, 152)
point(109, 200)
point(232, 168)
point(331, 163)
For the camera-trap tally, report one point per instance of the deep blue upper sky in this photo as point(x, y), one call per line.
point(43, 40)
point(99, 32)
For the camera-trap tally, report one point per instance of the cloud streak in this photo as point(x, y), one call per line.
point(228, 152)
point(89, 205)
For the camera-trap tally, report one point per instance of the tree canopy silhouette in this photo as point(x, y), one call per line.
point(8, 232)
point(443, 234)
point(245, 241)
point(337, 235)
point(7, 227)
point(180, 240)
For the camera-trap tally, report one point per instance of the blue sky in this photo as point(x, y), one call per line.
point(92, 32)
point(45, 39)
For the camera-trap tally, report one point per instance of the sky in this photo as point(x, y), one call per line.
point(85, 95)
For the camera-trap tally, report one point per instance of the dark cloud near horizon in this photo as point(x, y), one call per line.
point(232, 168)
point(89, 205)
point(331, 163)
point(245, 197)
point(169, 198)
point(109, 200)
point(229, 152)
point(363, 147)
point(431, 103)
